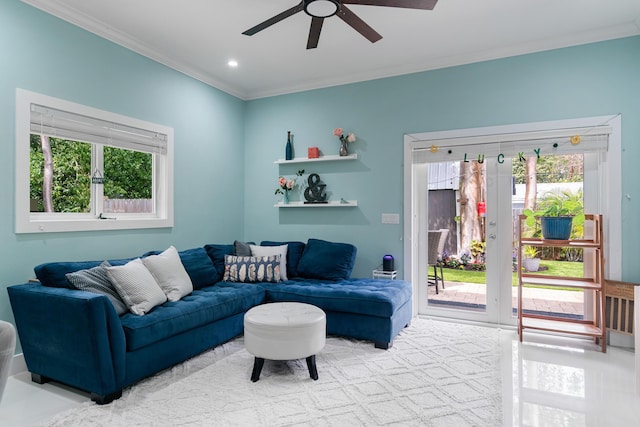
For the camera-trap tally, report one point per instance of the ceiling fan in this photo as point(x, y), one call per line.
point(318, 10)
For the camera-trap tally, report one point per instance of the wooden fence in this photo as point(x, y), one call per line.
point(128, 206)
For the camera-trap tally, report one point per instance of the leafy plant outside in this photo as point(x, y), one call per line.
point(530, 252)
point(565, 203)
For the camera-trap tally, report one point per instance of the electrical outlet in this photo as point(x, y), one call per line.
point(388, 218)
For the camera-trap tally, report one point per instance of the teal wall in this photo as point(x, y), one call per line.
point(225, 147)
point(592, 80)
point(46, 55)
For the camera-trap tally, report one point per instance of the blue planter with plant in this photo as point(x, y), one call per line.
point(557, 213)
point(556, 227)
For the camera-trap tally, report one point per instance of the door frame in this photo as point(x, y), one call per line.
point(416, 209)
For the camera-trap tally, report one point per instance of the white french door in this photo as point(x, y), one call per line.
point(497, 147)
point(482, 302)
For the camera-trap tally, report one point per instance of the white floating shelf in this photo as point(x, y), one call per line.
point(336, 204)
point(327, 158)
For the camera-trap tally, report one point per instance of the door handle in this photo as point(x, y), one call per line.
point(492, 236)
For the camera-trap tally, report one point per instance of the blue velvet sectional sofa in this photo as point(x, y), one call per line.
point(78, 338)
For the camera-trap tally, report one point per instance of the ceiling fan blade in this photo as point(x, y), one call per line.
point(408, 4)
point(274, 20)
point(314, 32)
point(358, 24)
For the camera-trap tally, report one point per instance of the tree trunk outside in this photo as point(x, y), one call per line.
point(531, 183)
point(471, 186)
point(47, 184)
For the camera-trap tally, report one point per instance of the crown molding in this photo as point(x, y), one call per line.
point(587, 37)
point(95, 26)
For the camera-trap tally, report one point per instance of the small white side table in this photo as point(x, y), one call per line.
point(382, 274)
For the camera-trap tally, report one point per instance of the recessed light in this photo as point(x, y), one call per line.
point(232, 63)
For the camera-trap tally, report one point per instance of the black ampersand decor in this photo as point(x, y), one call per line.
point(315, 191)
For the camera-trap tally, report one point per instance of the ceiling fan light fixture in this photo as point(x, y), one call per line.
point(321, 8)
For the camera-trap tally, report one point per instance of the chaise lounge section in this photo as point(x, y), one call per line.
point(84, 339)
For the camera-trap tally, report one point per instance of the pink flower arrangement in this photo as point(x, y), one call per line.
point(351, 137)
point(286, 185)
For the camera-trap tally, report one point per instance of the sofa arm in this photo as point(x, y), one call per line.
point(70, 336)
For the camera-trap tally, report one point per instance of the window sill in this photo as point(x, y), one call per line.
point(91, 224)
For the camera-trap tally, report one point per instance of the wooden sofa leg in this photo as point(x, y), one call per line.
point(104, 400)
point(39, 379)
point(383, 345)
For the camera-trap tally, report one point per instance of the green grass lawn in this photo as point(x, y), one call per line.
point(555, 268)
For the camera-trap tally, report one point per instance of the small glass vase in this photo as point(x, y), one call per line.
point(343, 148)
point(285, 198)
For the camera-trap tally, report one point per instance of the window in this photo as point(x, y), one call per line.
point(80, 169)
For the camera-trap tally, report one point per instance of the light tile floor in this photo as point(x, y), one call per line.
point(546, 381)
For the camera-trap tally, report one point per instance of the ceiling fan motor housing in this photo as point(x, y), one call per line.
point(321, 8)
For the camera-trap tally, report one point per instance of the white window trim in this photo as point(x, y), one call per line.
point(28, 222)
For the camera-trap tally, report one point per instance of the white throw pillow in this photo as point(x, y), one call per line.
point(169, 272)
point(137, 287)
point(260, 251)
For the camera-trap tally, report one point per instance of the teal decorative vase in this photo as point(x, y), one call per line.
point(285, 198)
point(288, 154)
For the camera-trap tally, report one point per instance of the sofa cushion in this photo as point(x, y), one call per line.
point(327, 260)
point(374, 297)
point(201, 307)
point(198, 265)
point(96, 280)
point(260, 251)
point(53, 274)
point(217, 253)
point(169, 273)
point(137, 287)
point(252, 269)
point(294, 252)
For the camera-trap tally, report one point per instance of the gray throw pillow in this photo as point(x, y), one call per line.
point(241, 248)
point(96, 280)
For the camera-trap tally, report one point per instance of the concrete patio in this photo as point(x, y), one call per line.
point(472, 296)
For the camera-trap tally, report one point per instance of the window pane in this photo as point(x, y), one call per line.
point(128, 181)
point(60, 175)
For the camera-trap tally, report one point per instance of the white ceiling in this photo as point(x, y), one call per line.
point(199, 37)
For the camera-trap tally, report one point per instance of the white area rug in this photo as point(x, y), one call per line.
point(436, 374)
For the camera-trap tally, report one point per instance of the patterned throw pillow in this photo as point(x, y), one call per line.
point(250, 269)
point(96, 280)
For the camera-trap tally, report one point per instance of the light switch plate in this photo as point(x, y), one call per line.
point(389, 218)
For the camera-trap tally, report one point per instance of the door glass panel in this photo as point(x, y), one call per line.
point(457, 236)
point(539, 184)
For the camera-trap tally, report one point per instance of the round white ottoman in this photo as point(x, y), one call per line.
point(284, 331)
